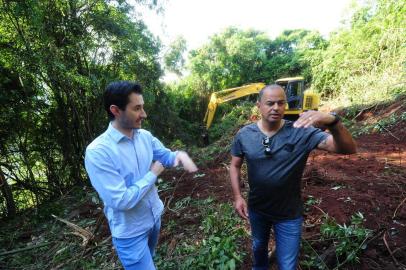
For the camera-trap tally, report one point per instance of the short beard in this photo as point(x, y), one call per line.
point(124, 123)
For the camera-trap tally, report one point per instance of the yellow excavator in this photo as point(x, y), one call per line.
point(298, 100)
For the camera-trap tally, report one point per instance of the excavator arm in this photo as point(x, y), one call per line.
point(227, 95)
point(298, 99)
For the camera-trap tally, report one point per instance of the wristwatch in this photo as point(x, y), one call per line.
point(336, 119)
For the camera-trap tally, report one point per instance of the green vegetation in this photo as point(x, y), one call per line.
point(230, 122)
point(214, 244)
point(42, 243)
point(382, 125)
point(346, 241)
point(378, 124)
point(365, 61)
point(56, 57)
point(310, 201)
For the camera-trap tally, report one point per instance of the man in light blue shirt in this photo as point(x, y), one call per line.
point(123, 164)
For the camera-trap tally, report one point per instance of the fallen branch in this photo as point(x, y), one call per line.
point(24, 249)
point(362, 111)
point(173, 192)
point(375, 265)
point(398, 249)
point(390, 133)
point(315, 252)
point(100, 220)
point(390, 251)
point(321, 210)
point(79, 231)
point(397, 208)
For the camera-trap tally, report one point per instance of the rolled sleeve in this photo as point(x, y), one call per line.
point(236, 148)
point(163, 154)
point(314, 137)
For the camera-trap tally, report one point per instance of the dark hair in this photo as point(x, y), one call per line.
point(117, 93)
point(270, 87)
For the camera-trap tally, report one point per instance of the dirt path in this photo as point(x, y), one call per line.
point(372, 182)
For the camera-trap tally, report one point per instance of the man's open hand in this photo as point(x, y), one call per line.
point(187, 163)
point(313, 118)
point(241, 206)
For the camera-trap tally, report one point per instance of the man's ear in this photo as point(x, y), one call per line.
point(115, 110)
point(258, 104)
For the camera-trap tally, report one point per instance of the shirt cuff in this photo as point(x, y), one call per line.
point(172, 158)
point(149, 179)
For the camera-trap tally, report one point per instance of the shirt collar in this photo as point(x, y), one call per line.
point(284, 132)
point(116, 135)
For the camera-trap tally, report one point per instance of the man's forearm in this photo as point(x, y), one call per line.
point(235, 176)
point(344, 143)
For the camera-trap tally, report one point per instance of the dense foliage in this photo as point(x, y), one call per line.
point(57, 56)
point(361, 63)
point(365, 61)
point(236, 57)
point(55, 59)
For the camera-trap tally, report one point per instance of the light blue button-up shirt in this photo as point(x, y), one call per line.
point(119, 170)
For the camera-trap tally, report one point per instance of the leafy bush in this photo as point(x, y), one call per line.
point(238, 116)
point(214, 246)
point(347, 242)
point(364, 62)
point(382, 125)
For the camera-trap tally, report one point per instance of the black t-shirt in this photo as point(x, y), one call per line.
point(275, 179)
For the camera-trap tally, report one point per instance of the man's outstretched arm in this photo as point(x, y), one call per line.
point(340, 141)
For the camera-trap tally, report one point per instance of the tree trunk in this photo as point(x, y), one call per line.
point(8, 195)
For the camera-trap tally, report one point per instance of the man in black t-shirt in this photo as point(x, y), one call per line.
point(276, 151)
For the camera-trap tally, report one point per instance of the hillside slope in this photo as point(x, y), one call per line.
point(198, 214)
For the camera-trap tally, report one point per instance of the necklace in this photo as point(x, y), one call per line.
point(270, 133)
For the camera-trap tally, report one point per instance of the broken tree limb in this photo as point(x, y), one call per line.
point(173, 193)
point(315, 252)
point(397, 208)
point(85, 234)
point(362, 111)
point(390, 251)
point(321, 210)
point(390, 133)
point(24, 249)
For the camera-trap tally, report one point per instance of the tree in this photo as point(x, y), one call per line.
point(231, 58)
point(236, 57)
point(173, 58)
point(289, 53)
point(8, 196)
point(364, 61)
point(56, 57)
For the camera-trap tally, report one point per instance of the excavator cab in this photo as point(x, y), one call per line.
point(294, 88)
